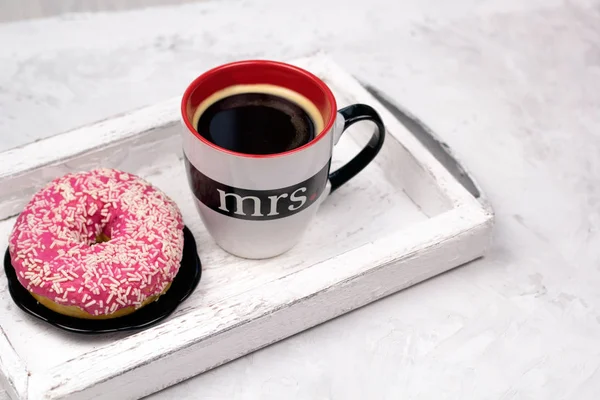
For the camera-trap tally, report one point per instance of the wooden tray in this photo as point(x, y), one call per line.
point(404, 219)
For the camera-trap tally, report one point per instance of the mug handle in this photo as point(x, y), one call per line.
point(351, 115)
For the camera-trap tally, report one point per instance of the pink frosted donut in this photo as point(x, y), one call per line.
point(59, 250)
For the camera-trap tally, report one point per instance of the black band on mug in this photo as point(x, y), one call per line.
point(256, 205)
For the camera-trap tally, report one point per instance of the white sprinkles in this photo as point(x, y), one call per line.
point(53, 249)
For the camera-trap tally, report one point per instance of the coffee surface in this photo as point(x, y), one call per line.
point(258, 119)
point(256, 123)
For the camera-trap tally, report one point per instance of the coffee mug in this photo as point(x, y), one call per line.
point(258, 139)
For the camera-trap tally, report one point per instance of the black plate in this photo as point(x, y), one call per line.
point(182, 286)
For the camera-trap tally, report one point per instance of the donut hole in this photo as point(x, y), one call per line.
point(101, 229)
point(101, 238)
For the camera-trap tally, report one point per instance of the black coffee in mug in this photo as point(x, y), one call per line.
point(258, 119)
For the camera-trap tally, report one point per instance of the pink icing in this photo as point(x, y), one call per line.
point(53, 249)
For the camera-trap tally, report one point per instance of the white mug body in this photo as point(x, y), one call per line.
point(258, 206)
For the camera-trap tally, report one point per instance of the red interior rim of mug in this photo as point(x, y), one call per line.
point(259, 72)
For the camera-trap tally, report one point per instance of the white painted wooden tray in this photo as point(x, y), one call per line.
point(400, 221)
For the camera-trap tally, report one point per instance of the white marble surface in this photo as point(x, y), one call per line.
point(512, 86)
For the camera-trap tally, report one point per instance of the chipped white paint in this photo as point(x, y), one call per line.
point(13, 372)
point(402, 220)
